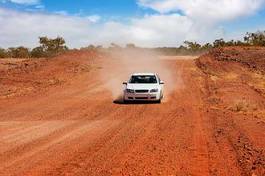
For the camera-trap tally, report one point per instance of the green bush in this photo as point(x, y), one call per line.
point(3, 53)
point(38, 52)
point(255, 39)
point(51, 47)
point(19, 52)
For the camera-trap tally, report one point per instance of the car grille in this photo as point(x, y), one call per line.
point(141, 98)
point(141, 91)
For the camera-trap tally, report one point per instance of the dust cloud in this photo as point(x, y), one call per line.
point(120, 64)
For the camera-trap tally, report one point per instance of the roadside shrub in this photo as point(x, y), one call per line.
point(255, 39)
point(219, 43)
point(130, 45)
point(37, 52)
point(51, 47)
point(19, 52)
point(3, 53)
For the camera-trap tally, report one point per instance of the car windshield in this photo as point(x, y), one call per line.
point(143, 79)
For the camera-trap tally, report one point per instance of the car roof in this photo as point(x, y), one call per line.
point(143, 74)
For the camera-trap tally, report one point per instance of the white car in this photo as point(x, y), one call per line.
point(143, 87)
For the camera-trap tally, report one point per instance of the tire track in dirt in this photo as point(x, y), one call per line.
point(131, 148)
point(54, 139)
point(78, 130)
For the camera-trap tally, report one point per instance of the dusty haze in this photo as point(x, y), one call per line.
point(121, 64)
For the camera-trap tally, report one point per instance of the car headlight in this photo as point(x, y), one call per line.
point(130, 90)
point(153, 90)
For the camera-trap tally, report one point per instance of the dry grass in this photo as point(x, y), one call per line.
point(243, 106)
point(214, 78)
point(231, 76)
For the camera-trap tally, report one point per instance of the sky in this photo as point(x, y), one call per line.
point(146, 23)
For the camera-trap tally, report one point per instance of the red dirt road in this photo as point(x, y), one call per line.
point(76, 129)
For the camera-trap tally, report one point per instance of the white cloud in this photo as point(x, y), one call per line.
point(24, 2)
point(206, 16)
point(61, 12)
point(39, 6)
point(151, 30)
point(94, 18)
point(214, 10)
point(22, 28)
point(199, 20)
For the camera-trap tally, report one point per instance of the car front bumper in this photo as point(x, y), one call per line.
point(142, 96)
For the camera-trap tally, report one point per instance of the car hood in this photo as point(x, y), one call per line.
point(143, 86)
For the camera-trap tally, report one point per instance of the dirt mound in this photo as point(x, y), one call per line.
point(23, 76)
point(234, 92)
point(250, 57)
point(237, 72)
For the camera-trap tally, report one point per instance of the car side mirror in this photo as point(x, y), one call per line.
point(161, 82)
point(124, 83)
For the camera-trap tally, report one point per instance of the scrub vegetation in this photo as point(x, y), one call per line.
point(51, 47)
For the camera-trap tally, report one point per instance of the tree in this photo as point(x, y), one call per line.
point(52, 47)
point(99, 47)
point(90, 47)
point(38, 52)
point(255, 39)
point(3, 53)
point(19, 52)
point(115, 46)
point(192, 46)
point(230, 43)
point(240, 43)
point(207, 46)
point(219, 43)
point(23, 52)
point(130, 45)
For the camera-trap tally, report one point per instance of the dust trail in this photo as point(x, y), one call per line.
point(120, 64)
